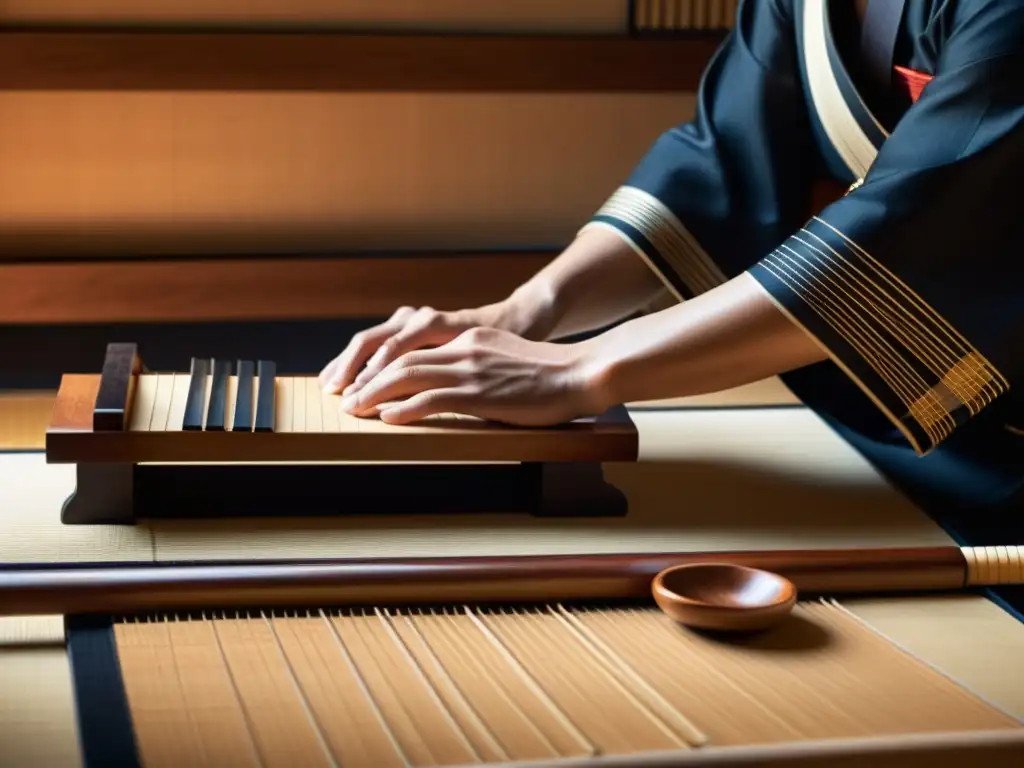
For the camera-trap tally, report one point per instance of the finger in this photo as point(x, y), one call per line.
point(428, 403)
point(430, 329)
point(342, 371)
point(397, 383)
point(414, 358)
point(369, 371)
point(339, 373)
point(361, 345)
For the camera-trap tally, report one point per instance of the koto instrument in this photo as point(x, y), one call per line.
point(146, 444)
point(471, 686)
point(491, 661)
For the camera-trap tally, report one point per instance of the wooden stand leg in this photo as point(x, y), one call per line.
point(103, 496)
point(578, 489)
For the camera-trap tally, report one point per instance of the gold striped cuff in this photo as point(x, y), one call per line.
point(929, 366)
point(668, 243)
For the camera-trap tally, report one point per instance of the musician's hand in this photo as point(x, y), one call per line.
point(487, 373)
point(408, 329)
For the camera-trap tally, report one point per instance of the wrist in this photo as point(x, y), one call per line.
point(529, 312)
point(598, 373)
point(618, 367)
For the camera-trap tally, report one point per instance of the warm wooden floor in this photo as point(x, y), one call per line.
point(23, 419)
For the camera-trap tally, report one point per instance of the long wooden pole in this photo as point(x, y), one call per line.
point(133, 589)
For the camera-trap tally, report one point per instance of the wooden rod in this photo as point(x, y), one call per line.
point(130, 589)
point(89, 59)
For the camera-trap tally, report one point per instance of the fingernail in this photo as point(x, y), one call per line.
point(348, 403)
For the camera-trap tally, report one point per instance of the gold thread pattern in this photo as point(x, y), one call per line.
point(933, 370)
point(991, 566)
point(670, 287)
point(932, 408)
point(678, 249)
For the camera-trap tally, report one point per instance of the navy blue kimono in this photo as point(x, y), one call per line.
point(913, 280)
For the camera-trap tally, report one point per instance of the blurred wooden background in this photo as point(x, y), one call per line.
point(304, 160)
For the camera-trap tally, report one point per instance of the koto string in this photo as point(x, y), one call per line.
point(464, 686)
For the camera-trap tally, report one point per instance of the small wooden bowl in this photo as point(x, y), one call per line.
point(724, 597)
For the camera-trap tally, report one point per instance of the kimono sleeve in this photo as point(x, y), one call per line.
point(714, 194)
point(914, 281)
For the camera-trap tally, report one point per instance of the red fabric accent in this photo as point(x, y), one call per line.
point(913, 81)
point(824, 193)
point(827, 191)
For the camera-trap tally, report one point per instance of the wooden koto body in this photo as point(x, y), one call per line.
point(128, 589)
point(244, 412)
point(198, 444)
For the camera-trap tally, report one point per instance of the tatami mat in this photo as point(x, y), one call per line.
point(37, 709)
point(707, 480)
point(31, 630)
point(968, 637)
point(31, 495)
point(23, 419)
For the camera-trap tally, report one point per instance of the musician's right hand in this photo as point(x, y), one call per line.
point(406, 330)
point(596, 281)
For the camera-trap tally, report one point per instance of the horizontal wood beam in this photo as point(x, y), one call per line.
point(342, 61)
point(105, 589)
point(227, 289)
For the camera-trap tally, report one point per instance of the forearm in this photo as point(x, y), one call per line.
point(727, 337)
point(596, 281)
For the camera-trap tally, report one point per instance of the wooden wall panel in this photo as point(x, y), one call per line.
point(111, 160)
point(590, 16)
point(674, 15)
point(220, 290)
point(100, 174)
point(161, 60)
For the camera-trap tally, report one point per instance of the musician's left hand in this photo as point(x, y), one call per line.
point(487, 373)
